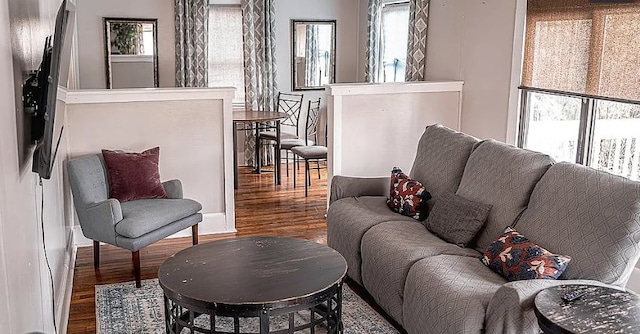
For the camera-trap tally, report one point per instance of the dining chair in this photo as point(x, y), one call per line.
point(291, 104)
point(309, 152)
point(311, 134)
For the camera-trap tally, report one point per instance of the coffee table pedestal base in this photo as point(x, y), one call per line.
point(324, 309)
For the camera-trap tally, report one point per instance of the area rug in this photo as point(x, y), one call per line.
point(121, 308)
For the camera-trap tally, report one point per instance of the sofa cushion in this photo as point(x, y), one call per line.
point(407, 196)
point(516, 258)
point(347, 221)
point(503, 176)
point(146, 215)
point(448, 294)
point(440, 159)
point(592, 216)
point(389, 250)
point(456, 219)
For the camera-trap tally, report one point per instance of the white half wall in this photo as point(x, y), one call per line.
point(192, 127)
point(374, 127)
point(91, 37)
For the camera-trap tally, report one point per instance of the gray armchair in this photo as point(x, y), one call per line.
point(130, 225)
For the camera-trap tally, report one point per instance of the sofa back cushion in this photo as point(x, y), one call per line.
point(590, 215)
point(503, 176)
point(440, 160)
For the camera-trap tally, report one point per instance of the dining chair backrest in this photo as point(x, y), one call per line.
point(292, 105)
point(313, 116)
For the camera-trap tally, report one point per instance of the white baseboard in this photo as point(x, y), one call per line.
point(62, 313)
point(212, 223)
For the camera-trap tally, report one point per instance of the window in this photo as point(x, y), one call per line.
point(580, 87)
point(394, 32)
point(226, 63)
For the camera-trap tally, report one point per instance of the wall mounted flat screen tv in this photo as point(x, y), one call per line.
point(40, 91)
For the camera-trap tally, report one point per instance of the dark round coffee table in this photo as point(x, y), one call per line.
point(253, 279)
point(599, 310)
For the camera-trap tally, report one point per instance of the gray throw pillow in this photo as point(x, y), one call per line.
point(456, 219)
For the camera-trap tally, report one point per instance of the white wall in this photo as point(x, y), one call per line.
point(475, 41)
point(25, 295)
point(91, 36)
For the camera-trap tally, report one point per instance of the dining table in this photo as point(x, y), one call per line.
point(256, 120)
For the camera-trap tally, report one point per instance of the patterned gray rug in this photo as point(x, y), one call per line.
point(121, 308)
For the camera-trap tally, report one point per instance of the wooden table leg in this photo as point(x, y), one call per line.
point(278, 152)
point(257, 149)
point(235, 156)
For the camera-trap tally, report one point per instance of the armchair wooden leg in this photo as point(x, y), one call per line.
point(136, 267)
point(194, 234)
point(96, 254)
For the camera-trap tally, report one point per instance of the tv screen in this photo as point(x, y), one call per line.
point(43, 91)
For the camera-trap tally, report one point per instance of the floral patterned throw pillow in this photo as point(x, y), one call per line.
point(407, 196)
point(516, 258)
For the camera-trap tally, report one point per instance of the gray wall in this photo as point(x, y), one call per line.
point(25, 296)
point(479, 42)
point(91, 37)
point(345, 12)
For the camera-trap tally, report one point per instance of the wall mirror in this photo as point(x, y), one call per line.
point(131, 52)
point(313, 56)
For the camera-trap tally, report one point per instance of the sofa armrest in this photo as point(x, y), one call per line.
point(100, 220)
point(510, 310)
point(173, 188)
point(343, 187)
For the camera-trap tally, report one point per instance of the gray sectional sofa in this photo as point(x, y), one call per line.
point(430, 286)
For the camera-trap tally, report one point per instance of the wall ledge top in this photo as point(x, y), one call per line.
point(89, 96)
point(394, 88)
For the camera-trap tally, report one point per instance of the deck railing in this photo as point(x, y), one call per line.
point(615, 146)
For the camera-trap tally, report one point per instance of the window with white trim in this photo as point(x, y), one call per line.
point(394, 34)
point(226, 64)
point(580, 93)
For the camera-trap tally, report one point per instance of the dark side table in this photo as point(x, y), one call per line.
point(599, 310)
point(255, 280)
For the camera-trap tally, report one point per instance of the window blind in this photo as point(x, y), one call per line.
point(226, 62)
point(581, 47)
point(393, 41)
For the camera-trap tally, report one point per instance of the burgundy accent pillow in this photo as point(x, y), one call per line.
point(134, 175)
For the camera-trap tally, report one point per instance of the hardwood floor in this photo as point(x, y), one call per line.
point(261, 209)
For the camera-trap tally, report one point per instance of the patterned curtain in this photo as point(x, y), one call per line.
point(261, 88)
point(417, 48)
point(312, 77)
point(192, 25)
point(373, 41)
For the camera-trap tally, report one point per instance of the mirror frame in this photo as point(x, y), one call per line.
point(332, 78)
point(107, 45)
